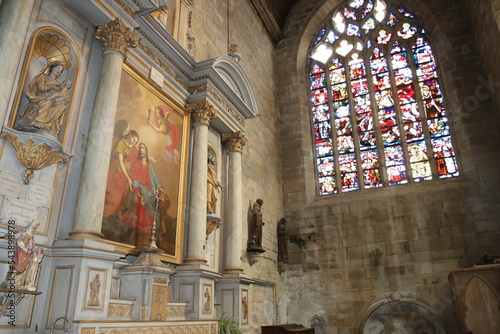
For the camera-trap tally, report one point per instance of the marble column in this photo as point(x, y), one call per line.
point(202, 113)
point(14, 21)
point(233, 231)
point(116, 38)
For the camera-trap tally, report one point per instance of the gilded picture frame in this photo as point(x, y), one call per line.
point(150, 144)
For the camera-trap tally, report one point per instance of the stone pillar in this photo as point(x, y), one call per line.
point(233, 231)
point(14, 21)
point(202, 113)
point(116, 38)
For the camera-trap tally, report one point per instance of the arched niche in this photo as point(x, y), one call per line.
point(482, 306)
point(401, 312)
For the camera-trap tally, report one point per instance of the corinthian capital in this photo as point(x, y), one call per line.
point(116, 36)
point(234, 141)
point(202, 112)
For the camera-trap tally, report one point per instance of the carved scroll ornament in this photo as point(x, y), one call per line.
point(33, 156)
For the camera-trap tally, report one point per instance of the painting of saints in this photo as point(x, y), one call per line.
point(144, 180)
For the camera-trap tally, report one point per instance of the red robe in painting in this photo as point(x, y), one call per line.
point(117, 193)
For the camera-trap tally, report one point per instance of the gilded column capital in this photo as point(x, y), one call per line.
point(235, 141)
point(202, 112)
point(116, 36)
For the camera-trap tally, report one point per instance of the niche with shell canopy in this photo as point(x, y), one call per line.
point(42, 104)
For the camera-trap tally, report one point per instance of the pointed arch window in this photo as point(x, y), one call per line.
point(377, 106)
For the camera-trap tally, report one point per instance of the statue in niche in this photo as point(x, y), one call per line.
point(27, 257)
point(318, 324)
point(213, 184)
point(282, 241)
point(95, 287)
point(207, 298)
point(244, 304)
point(255, 237)
point(48, 100)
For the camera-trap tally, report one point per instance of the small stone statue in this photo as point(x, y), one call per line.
point(207, 298)
point(244, 304)
point(48, 101)
point(255, 237)
point(95, 287)
point(27, 257)
point(282, 241)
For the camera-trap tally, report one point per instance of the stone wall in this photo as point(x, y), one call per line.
point(485, 20)
point(351, 253)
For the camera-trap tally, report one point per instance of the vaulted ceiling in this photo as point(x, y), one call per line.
point(273, 14)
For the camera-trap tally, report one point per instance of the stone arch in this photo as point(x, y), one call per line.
point(400, 312)
point(481, 305)
point(318, 324)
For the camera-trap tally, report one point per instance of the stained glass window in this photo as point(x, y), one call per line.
point(378, 111)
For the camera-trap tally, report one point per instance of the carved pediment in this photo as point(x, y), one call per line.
point(223, 83)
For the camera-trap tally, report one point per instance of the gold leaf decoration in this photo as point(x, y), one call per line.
point(33, 157)
point(53, 48)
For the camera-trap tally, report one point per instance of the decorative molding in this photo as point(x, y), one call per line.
point(235, 141)
point(34, 157)
point(126, 7)
point(148, 259)
point(181, 329)
point(53, 48)
point(139, 5)
point(177, 312)
point(88, 330)
point(213, 223)
point(10, 298)
point(225, 106)
point(116, 36)
point(235, 86)
point(162, 280)
point(159, 294)
point(116, 310)
point(159, 62)
point(151, 54)
point(205, 88)
point(198, 89)
point(190, 47)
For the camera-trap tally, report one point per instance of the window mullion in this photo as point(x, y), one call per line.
point(333, 133)
point(423, 117)
point(376, 125)
point(402, 134)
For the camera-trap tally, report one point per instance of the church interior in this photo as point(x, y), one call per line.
point(250, 166)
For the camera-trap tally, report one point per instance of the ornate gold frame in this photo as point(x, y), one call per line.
point(154, 90)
